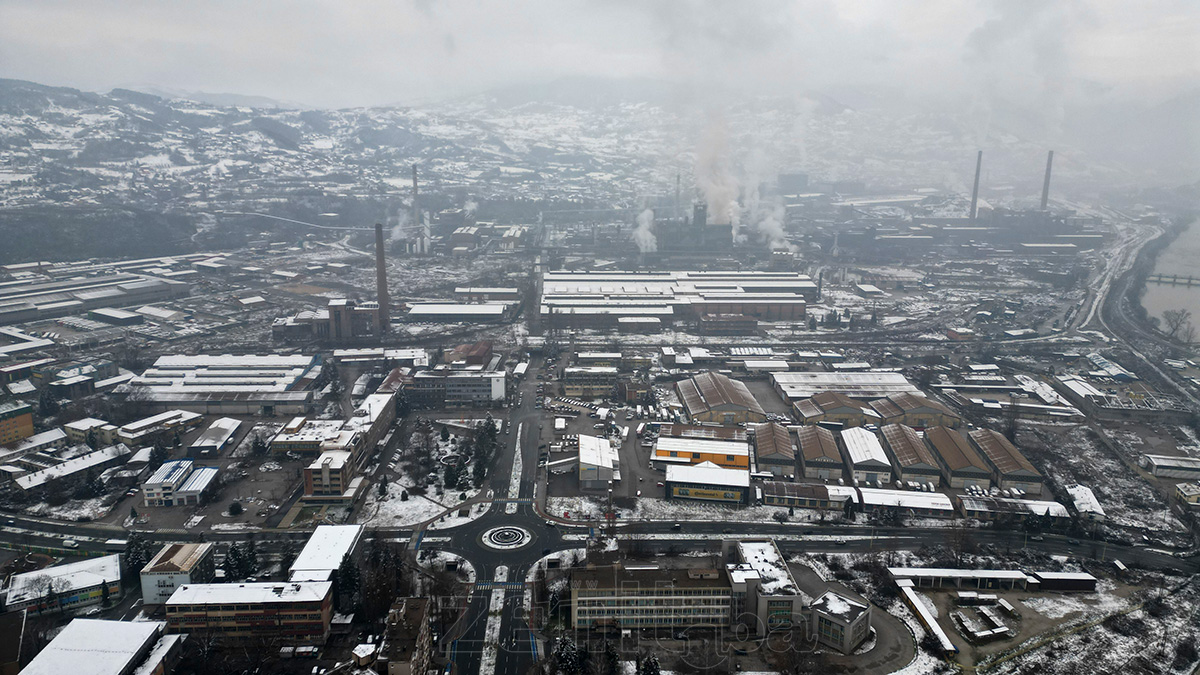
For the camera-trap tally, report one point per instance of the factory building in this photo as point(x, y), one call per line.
point(178, 483)
point(1009, 467)
point(794, 386)
point(865, 458)
point(443, 386)
point(228, 384)
point(692, 451)
point(589, 382)
point(774, 450)
point(834, 409)
point(599, 299)
point(820, 457)
point(599, 463)
point(42, 298)
point(961, 465)
point(911, 458)
point(712, 397)
point(914, 410)
point(708, 482)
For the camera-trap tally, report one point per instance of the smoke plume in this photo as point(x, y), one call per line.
point(643, 234)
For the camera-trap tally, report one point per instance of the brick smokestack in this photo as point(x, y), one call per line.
point(381, 287)
point(975, 190)
point(1046, 181)
point(416, 214)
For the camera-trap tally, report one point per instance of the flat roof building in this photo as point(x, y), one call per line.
point(103, 647)
point(66, 587)
point(286, 611)
point(793, 386)
point(691, 451)
point(323, 553)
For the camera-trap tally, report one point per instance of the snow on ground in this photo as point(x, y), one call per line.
point(266, 467)
point(76, 509)
point(234, 527)
point(923, 663)
point(264, 430)
point(1103, 601)
point(439, 558)
point(662, 509)
point(577, 507)
point(391, 511)
point(453, 519)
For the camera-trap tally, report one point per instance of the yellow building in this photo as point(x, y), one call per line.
point(16, 422)
point(1189, 494)
point(690, 451)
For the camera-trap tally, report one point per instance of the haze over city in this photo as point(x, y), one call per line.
point(568, 338)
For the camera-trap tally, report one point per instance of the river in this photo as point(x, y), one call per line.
point(1181, 257)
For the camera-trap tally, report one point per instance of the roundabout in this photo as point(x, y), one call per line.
point(506, 538)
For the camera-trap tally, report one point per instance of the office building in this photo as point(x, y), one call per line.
point(290, 612)
point(176, 565)
point(16, 422)
point(590, 382)
point(840, 621)
point(178, 483)
point(669, 450)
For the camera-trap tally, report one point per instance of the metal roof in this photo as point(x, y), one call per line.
point(906, 446)
point(1001, 453)
point(709, 392)
point(863, 446)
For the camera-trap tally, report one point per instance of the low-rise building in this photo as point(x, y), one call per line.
point(1084, 501)
point(324, 551)
point(840, 621)
point(103, 647)
point(820, 457)
point(708, 482)
point(408, 639)
point(71, 469)
point(765, 596)
point(1009, 467)
point(864, 456)
point(178, 483)
point(330, 479)
point(290, 612)
point(66, 587)
point(176, 565)
point(79, 430)
point(599, 463)
point(961, 465)
point(215, 438)
point(804, 496)
point(911, 458)
point(713, 397)
point(1170, 466)
point(443, 386)
point(588, 382)
point(834, 409)
point(1188, 494)
point(774, 450)
point(914, 410)
point(1014, 510)
point(684, 451)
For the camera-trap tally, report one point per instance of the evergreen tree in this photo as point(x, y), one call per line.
point(382, 486)
point(133, 514)
point(234, 564)
point(349, 582)
point(105, 595)
point(250, 558)
point(258, 447)
point(287, 556)
point(158, 455)
point(445, 434)
point(650, 666)
point(612, 660)
point(92, 441)
point(47, 404)
point(451, 476)
point(137, 552)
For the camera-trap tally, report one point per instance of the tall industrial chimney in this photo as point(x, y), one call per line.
point(416, 211)
point(975, 190)
point(1046, 182)
point(381, 287)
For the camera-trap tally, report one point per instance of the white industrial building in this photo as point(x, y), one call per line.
point(104, 647)
point(795, 386)
point(599, 463)
point(1169, 466)
point(865, 458)
point(215, 437)
point(1085, 503)
point(228, 384)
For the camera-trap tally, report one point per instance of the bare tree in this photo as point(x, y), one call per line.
point(1188, 335)
point(1175, 319)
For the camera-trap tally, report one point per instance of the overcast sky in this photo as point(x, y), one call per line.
point(352, 52)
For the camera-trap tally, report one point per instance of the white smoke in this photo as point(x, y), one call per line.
point(643, 234)
point(470, 207)
point(714, 175)
point(396, 221)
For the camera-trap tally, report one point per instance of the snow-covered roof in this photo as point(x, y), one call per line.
point(929, 501)
point(707, 473)
point(71, 577)
point(764, 557)
point(218, 433)
point(862, 446)
point(96, 647)
point(199, 480)
point(595, 451)
point(72, 466)
point(668, 444)
point(170, 473)
point(250, 594)
point(842, 607)
point(326, 547)
point(1085, 500)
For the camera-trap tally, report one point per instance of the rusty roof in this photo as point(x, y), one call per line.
point(1000, 452)
point(954, 450)
point(708, 392)
point(906, 446)
point(818, 443)
point(773, 440)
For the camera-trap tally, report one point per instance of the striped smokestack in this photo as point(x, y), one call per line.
point(381, 287)
point(975, 190)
